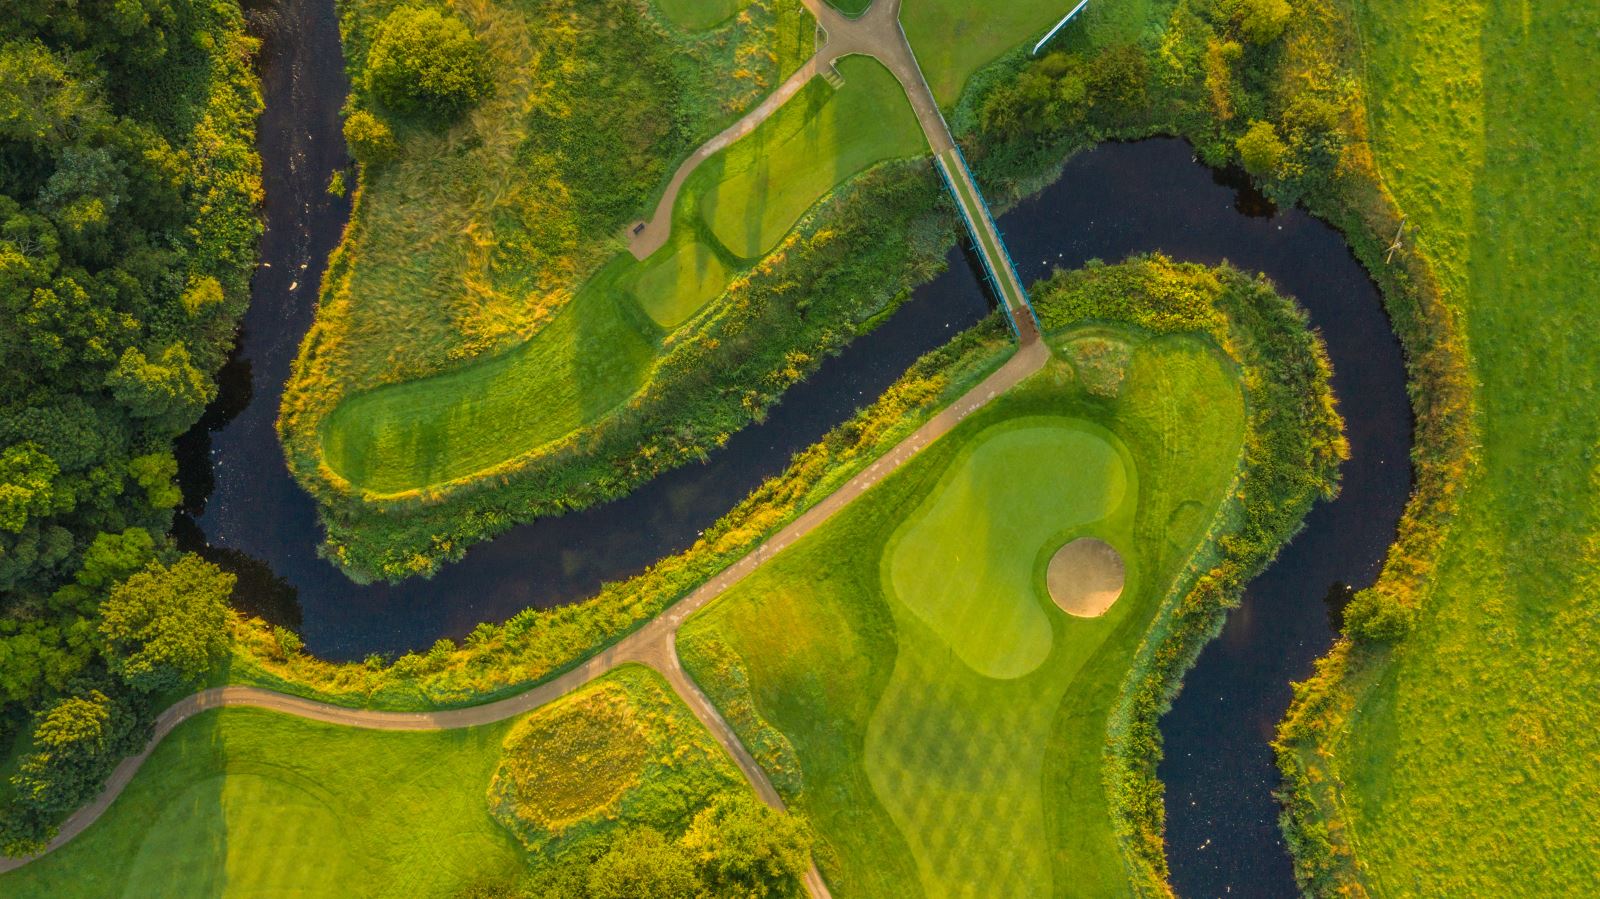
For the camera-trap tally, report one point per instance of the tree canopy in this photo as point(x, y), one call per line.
point(425, 62)
point(165, 627)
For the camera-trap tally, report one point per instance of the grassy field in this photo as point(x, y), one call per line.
point(598, 350)
point(242, 802)
point(955, 740)
point(955, 38)
point(1469, 766)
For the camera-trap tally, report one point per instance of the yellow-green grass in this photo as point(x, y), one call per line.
point(244, 802)
point(624, 749)
point(1470, 767)
point(429, 431)
point(766, 181)
point(923, 774)
point(695, 15)
point(680, 278)
point(599, 350)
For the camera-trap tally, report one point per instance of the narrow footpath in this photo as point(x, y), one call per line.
point(876, 33)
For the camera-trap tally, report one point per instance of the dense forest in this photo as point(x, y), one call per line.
point(128, 187)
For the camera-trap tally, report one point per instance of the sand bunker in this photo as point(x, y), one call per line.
point(1085, 577)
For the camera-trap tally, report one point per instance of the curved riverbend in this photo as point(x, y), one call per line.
point(1112, 201)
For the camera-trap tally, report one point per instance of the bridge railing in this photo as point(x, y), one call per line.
point(990, 277)
point(1000, 240)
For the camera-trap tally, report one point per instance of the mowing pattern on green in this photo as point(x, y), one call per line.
point(437, 429)
point(924, 776)
point(966, 561)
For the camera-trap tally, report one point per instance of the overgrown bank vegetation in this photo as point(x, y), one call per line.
point(128, 187)
point(499, 659)
point(990, 723)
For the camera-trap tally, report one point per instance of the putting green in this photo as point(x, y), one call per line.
point(766, 181)
point(927, 775)
point(965, 563)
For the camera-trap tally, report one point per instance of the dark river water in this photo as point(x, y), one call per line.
point(243, 509)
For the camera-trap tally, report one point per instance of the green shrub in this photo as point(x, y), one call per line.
point(1262, 21)
point(370, 141)
point(1377, 617)
point(424, 62)
point(1261, 150)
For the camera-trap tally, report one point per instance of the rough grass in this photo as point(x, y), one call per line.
point(697, 15)
point(821, 137)
point(599, 350)
point(243, 802)
point(624, 750)
point(1469, 767)
point(919, 769)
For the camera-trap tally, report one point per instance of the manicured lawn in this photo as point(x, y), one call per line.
point(241, 802)
point(899, 648)
point(1471, 769)
point(694, 15)
point(964, 562)
point(432, 430)
point(765, 182)
point(598, 350)
point(954, 38)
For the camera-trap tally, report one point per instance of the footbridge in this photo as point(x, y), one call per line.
point(877, 33)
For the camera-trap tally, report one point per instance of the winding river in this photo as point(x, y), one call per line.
point(243, 509)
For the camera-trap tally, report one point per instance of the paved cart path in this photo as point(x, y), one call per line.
point(653, 645)
point(875, 33)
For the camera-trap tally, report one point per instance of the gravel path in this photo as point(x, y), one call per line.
point(875, 33)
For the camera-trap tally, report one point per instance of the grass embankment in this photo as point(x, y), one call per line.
point(1461, 761)
point(600, 349)
point(959, 739)
point(243, 802)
